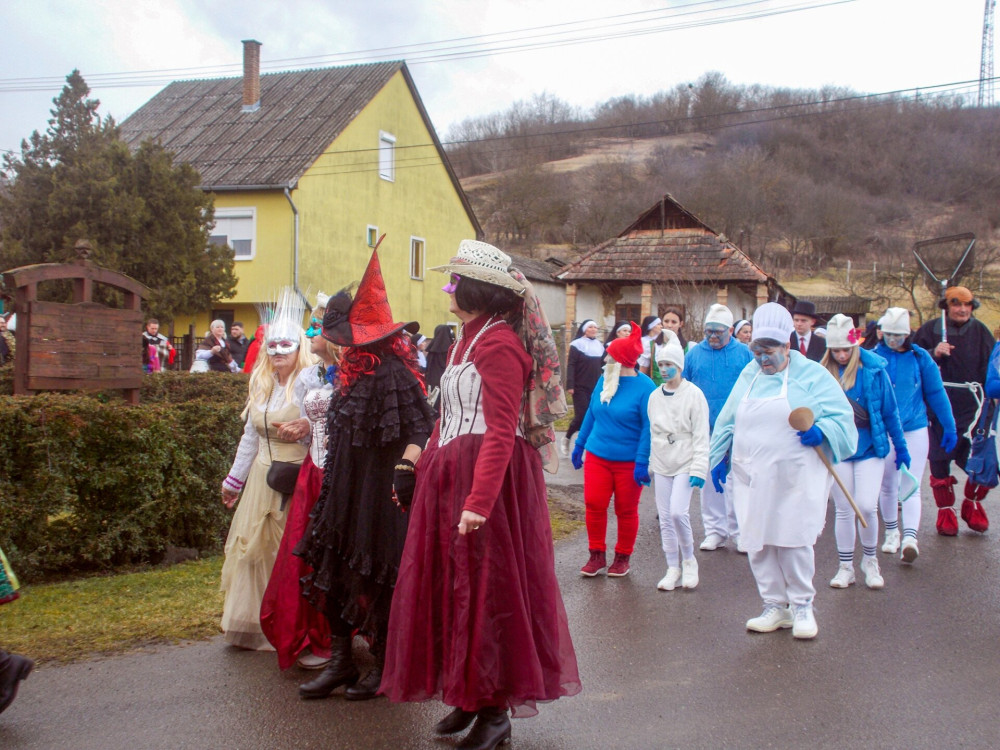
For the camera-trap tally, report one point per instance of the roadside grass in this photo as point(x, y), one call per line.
point(75, 620)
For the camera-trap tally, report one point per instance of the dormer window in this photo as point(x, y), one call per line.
point(387, 156)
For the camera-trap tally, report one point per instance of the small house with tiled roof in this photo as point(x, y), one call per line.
point(668, 257)
point(308, 169)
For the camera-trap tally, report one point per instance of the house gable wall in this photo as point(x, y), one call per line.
point(342, 194)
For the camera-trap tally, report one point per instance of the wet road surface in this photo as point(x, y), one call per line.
point(915, 665)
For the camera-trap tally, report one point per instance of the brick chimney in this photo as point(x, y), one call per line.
point(251, 75)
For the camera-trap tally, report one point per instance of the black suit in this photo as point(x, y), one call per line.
point(816, 348)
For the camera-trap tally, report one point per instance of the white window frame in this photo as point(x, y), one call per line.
point(371, 235)
point(241, 213)
point(386, 156)
point(423, 256)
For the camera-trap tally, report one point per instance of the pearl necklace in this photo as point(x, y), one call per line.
point(491, 323)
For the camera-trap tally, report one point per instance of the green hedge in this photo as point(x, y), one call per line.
point(88, 482)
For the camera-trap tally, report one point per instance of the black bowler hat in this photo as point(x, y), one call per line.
point(805, 307)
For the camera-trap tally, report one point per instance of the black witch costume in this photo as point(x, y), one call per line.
point(356, 533)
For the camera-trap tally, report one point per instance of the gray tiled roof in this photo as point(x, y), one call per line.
point(536, 270)
point(301, 113)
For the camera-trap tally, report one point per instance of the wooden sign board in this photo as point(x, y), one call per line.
point(78, 346)
point(83, 347)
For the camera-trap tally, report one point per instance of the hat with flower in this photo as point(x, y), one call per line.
point(841, 332)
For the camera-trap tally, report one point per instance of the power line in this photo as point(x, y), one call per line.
point(641, 23)
point(874, 100)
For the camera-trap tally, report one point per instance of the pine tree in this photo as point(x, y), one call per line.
point(143, 215)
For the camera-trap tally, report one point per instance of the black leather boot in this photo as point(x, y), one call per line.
point(15, 668)
point(492, 729)
point(457, 721)
point(340, 671)
point(367, 687)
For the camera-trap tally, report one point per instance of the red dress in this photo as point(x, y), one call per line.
point(289, 622)
point(478, 620)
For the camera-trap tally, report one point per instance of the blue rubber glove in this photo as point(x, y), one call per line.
point(719, 475)
point(948, 442)
point(641, 474)
point(902, 457)
point(577, 457)
point(697, 482)
point(811, 437)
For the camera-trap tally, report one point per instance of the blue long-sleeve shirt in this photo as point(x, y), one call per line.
point(715, 372)
point(619, 429)
point(917, 382)
point(873, 390)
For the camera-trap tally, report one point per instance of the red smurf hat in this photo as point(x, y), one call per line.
point(365, 318)
point(627, 351)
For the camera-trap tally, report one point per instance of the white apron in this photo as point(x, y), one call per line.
point(780, 487)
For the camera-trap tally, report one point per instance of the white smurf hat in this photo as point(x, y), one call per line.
point(772, 321)
point(670, 350)
point(840, 333)
point(720, 314)
point(896, 320)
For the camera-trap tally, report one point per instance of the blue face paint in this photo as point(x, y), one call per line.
point(894, 341)
point(770, 362)
point(717, 336)
point(669, 372)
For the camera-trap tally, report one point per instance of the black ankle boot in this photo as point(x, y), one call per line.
point(457, 721)
point(340, 671)
point(492, 729)
point(367, 687)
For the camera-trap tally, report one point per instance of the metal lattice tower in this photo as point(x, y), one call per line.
point(986, 61)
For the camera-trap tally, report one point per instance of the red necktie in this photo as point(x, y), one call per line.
point(802, 346)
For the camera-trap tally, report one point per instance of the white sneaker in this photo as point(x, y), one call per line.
point(772, 618)
point(910, 551)
point(712, 541)
point(669, 581)
point(689, 576)
point(844, 577)
point(740, 547)
point(873, 576)
point(891, 544)
point(805, 626)
point(564, 447)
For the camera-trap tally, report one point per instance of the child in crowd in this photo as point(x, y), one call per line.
point(678, 460)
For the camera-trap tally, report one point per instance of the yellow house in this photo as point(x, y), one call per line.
point(307, 169)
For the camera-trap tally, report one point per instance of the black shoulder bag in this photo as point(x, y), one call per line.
point(283, 475)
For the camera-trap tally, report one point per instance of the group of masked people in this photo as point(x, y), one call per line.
point(423, 530)
point(761, 428)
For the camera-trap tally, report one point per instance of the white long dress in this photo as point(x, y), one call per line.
point(259, 522)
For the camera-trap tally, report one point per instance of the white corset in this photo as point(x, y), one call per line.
point(462, 403)
point(315, 405)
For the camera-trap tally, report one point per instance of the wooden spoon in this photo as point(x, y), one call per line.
point(802, 419)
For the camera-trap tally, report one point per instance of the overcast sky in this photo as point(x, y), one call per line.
point(866, 45)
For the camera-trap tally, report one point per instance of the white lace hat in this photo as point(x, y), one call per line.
point(483, 262)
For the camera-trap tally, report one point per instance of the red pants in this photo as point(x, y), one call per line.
point(601, 479)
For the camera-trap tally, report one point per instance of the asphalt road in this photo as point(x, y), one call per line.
point(915, 665)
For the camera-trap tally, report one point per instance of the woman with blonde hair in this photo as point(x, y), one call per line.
point(867, 386)
point(299, 633)
point(275, 397)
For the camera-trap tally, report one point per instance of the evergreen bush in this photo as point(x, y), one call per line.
point(88, 482)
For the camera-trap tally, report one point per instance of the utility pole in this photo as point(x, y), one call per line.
point(986, 59)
